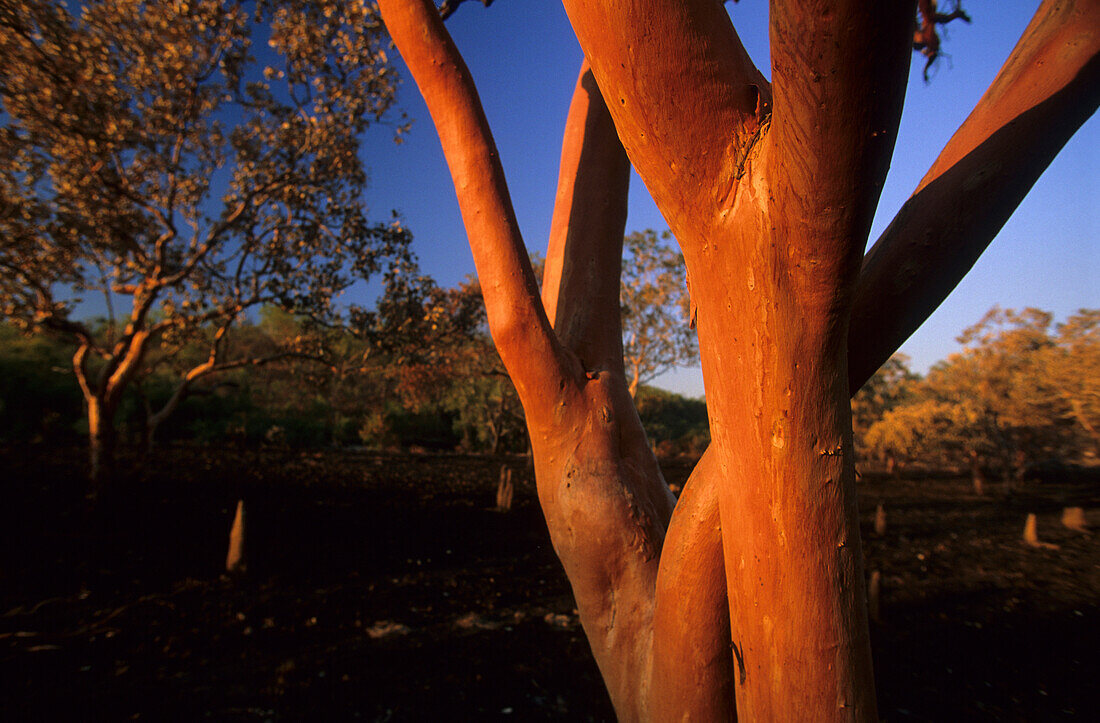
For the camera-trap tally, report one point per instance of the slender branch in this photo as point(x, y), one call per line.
point(108, 300)
point(1048, 87)
point(80, 368)
point(925, 38)
point(118, 182)
point(121, 368)
point(45, 314)
point(584, 257)
point(213, 235)
point(210, 367)
point(517, 321)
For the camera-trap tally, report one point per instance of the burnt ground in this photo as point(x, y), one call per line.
point(387, 588)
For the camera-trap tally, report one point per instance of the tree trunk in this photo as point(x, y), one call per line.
point(635, 382)
point(505, 490)
point(977, 476)
point(754, 585)
point(793, 561)
point(101, 446)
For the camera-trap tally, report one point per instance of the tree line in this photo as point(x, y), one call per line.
point(417, 370)
point(420, 372)
point(1023, 393)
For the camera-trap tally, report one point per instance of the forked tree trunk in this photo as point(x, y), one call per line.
point(102, 399)
point(752, 587)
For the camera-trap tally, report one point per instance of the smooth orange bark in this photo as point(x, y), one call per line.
point(750, 594)
point(605, 501)
point(580, 287)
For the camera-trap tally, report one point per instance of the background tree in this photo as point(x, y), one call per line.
point(38, 400)
point(159, 155)
point(1072, 372)
point(751, 588)
point(450, 368)
point(658, 331)
point(935, 433)
point(888, 387)
point(674, 424)
point(186, 356)
point(1009, 400)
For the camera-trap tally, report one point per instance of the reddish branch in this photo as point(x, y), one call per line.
point(605, 501)
point(1048, 87)
point(758, 588)
point(581, 280)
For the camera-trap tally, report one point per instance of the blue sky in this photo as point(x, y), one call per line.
point(525, 59)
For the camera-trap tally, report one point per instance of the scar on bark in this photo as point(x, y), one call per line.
point(925, 37)
point(693, 310)
point(740, 662)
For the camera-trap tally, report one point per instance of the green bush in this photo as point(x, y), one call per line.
point(674, 424)
point(39, 397)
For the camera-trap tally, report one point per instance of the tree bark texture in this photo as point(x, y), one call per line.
point(747, 595)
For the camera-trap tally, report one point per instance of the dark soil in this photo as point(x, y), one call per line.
point(387, 588)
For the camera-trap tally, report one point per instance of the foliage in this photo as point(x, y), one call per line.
point(463, 378)
point(38, 399)
point(158, 155)
point(672, 422)
point(658, 330)
point(890, 386)
point(1020, 393)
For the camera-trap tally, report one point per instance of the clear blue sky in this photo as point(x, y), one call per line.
point(525, 59)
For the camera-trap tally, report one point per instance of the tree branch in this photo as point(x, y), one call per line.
point(517, 321)
point(1048, 87)
point(839, 72)
point(684, 117)
point(580, 287)
point(691, 622)
point(211, 367)
point(925, 38)
point(80, 368)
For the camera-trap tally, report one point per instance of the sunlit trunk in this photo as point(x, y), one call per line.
point(770, 189)
point(781, 430)
point(101, 445)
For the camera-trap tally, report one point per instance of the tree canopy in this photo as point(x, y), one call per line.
point(184, 161)
point(1022, 391)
